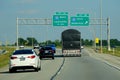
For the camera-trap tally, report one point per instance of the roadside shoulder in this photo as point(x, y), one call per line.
point(4, 68)
point(111, 60)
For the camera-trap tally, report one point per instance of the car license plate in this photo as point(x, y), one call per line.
point(46, 51)
point(22, 59)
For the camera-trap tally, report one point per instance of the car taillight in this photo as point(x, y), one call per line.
point(13, 57)
point(51, 51)
point(31, 57)
point(41, 50)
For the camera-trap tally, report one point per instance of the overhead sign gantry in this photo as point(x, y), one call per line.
point(63, 19)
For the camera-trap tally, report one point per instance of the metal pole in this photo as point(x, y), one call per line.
point(32, 41)
point(17, 35)
point(46, 32)
point(94, 29)
point(101, 26)
point(108, 33)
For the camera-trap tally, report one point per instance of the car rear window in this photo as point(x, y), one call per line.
point(48, 48)
point(52, 45)
point(22, 52)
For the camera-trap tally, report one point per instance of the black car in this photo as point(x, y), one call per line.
point(46, 52)
point(53, 47)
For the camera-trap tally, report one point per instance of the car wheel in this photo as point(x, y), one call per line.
point(40, 57)
point(39, 68)
point(53, 57)
point(36, 69)
point(80, 55)
point(12, 70)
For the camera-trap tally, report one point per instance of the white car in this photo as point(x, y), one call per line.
point(24, 59)
point(82, 47)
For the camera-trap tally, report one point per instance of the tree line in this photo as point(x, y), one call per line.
point(32, 41)
point(113, 42)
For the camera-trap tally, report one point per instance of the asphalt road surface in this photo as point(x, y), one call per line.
point(87, 68)
point(68, 68)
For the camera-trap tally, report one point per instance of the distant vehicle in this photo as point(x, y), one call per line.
point(46, 52)
point(71, 42)
point(24, 59)
point(36, 47)
point(82, 47)
point(41, 47)
point(53, 47)
point(21, 47)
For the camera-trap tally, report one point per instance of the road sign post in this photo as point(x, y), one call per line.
point(97, 40)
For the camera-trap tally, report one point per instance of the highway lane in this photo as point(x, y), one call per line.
point(49, 68)
point(74, 68)
point(86, 68)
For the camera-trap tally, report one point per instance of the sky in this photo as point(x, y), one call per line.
point(10, 10)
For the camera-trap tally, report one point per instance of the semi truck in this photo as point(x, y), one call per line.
point(71, 43)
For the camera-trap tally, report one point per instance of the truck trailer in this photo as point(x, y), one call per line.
point(71, 43)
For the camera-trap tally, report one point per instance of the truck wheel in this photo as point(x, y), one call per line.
point(53, 57)
point(80, 55)
point(40, 57)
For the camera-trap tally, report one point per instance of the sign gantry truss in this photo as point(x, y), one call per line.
point(48, 21)
point(34, 21)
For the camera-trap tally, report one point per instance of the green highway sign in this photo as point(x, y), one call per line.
point(60, 19)
point(80, 20)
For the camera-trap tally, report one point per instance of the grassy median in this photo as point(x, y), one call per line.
point(4, 58)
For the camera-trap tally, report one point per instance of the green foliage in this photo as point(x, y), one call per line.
point(4, 58)
point(21, 41)
point(115, 42)
point(28, 42)
point(86, 42)
point(114, 51)
point(56, 42)
point(32, 41)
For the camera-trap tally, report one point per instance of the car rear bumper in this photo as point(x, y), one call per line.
point(23, 67)
point(28, 66)
point(44, 55)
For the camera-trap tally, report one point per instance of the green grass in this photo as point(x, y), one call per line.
point(4, 58)
point(115, 51)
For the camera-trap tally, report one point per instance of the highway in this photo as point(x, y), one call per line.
point(68, 68)
point(87, 68)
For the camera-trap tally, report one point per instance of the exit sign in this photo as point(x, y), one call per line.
point(80, 20)
point(60, 19)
